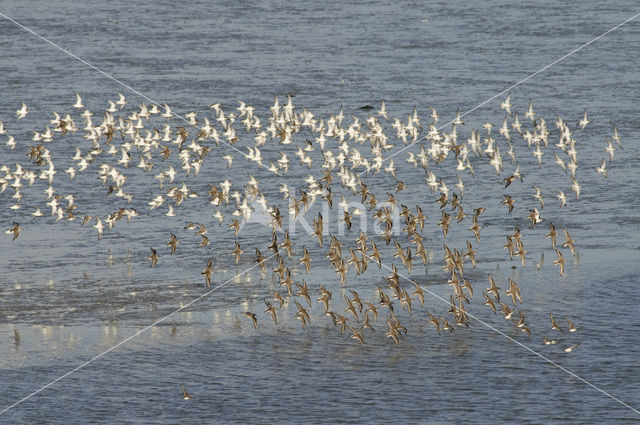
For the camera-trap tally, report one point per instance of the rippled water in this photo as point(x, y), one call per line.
point(67, 296)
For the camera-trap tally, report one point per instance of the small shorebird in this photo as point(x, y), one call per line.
point(506, 104)
point(366, 323)
point(433, 319)
point(554, 324)
point(552, 234)
point(530, 113)
point(570, 348)
point(15, 230)
point(357, 335)
point(562, 197)
point(572, 328)
point(22, 112)
point(253, 318)
point(78, 104)
point(560, 261)
point(489, 302)
point(173, 243)
point(303, 291)
point(185, 394)
point(237, 252)
point(493, 288)
point(602, 170)
point(153, 257)
point(208, 272)
point(271, 309)
point(569, 242)
point(584, 121)
point(508, 200)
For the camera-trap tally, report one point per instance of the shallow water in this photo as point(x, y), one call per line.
point(71, 296)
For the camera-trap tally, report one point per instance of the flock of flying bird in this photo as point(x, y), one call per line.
point(146, 138)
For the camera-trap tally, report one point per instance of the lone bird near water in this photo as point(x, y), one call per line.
point(185, 394)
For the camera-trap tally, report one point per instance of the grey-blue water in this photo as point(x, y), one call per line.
point(67, 296)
